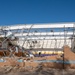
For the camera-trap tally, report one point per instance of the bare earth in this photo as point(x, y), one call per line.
point(8, 70)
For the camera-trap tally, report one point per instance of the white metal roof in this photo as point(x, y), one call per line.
point(26, 26)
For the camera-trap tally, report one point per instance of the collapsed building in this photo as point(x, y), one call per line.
point(44, 39)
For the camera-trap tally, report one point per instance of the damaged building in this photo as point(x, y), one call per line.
point(46, 39)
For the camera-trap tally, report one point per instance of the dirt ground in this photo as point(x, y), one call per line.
point(39, 71)
point(32, 68)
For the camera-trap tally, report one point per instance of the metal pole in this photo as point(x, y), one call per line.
point(65, 35)
point(46, 39)
point(43, 42)
point(74, 37)
point(27, 35)
point(63, 47)
point(51, 39)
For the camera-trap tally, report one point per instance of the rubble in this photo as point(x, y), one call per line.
point(8, 69)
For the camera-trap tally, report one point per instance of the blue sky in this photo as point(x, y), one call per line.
point(36, 11)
